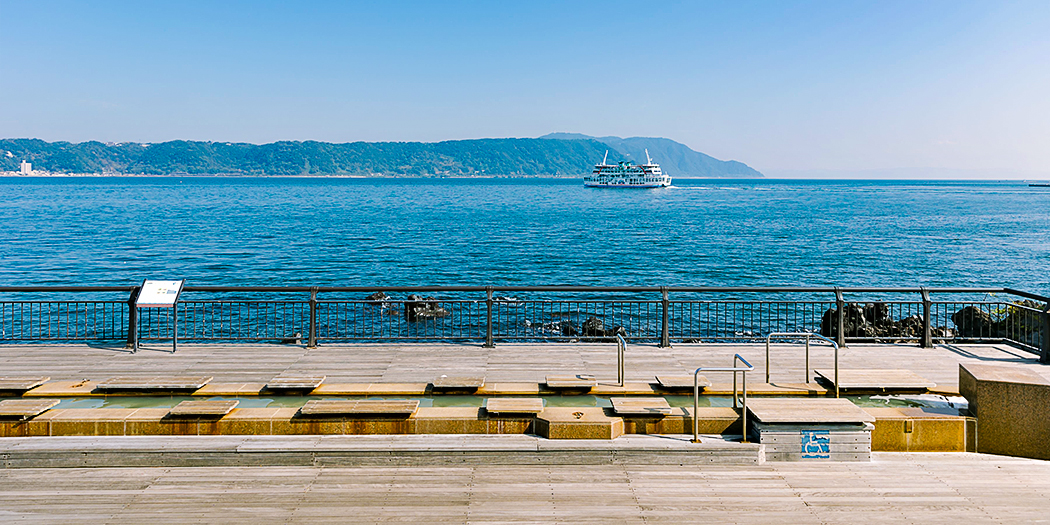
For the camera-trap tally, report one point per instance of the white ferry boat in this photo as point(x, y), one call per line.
point(626, 175)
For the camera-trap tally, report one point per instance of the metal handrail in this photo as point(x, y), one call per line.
point(807, 335)
point(552, 288)
point(727, 295)
point(621, 348)
point(696, 394)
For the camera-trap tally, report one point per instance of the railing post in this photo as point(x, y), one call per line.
point(927, 319)
point(175, 326)
point(743, 408)
point(311, 340)
point(665, 331)
point(1045, 355)
point(840, 306)
point(488, 318)
point(133, 320)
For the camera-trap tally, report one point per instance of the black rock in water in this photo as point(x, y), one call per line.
point(975, 322)
point(419, 309)
point(567, 328)
point(379, 297)
point(413, 302)
point(594, 327)
point(854, 324)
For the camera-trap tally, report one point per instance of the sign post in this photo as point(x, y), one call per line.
point(160, 294)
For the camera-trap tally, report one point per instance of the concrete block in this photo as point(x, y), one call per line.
point(1012, 407)
point(921, 430)
point(578, 423)
point(814, 441)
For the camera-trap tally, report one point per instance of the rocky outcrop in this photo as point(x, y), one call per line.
point(382, 302)
point(971, 322)
point(378, 297)
point(874, 321)
point(975, 322)
point(567, 328)
point(418, 308)
point(595, 327)
point(1018, 323)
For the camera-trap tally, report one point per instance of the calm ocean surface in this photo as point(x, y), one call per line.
point(366, 232)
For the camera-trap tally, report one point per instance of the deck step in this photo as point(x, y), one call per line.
point(465, 383)
point(811, 429)
point(806, 410)
point(295, 382)
point(641, 406)
point(344, 451)
point(681, 382)
point(571, 381)
point(219, 408)
point(154, 384)
point(514, 405)
point(878, 380)
point(363, 407)
point(21, 384)
point(25, 408)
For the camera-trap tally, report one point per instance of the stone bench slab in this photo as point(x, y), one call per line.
point(25, 408)
point(641, 406)
point(203, 408)
point(571, 381)
point(807, 410)
point(514, 405)
point(368, 407)
point(21, 384)
point(154, 383)
point(295, 382)
point(446, 382)
point(877, 379)
point(679, 382)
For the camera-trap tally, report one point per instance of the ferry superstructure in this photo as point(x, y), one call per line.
point(626, 175)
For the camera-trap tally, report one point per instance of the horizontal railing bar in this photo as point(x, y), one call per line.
point(1027, 295)
point(59, 301)
point(241, 301)
point(125, 289)
point(547, 288)
point(1002, 303)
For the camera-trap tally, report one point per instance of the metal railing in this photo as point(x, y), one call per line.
point(533, 313)
point(807, 336)
point(743, 370)
point(621, 349)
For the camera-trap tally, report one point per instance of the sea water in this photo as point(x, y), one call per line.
point(391, 232)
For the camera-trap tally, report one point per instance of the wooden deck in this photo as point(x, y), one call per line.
point(421, 363)
point(905, 488)
point(926, 488)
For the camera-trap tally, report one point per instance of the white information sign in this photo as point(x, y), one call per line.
point(159, 294)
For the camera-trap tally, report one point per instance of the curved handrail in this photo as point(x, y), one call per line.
point(696, 393)
point(807, 336)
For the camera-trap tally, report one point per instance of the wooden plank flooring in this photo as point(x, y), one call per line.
point(420, 363)
point(874, 379)
point(906, 488)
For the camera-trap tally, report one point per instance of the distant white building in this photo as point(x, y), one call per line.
point(25, 168)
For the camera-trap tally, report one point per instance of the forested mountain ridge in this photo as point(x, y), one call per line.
point(479, 157)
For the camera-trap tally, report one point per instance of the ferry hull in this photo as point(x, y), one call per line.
point(625, 175)
point(639, 186)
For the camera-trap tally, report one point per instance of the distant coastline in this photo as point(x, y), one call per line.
point(561, 155)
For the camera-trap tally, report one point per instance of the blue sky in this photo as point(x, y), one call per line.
point(779, 85)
